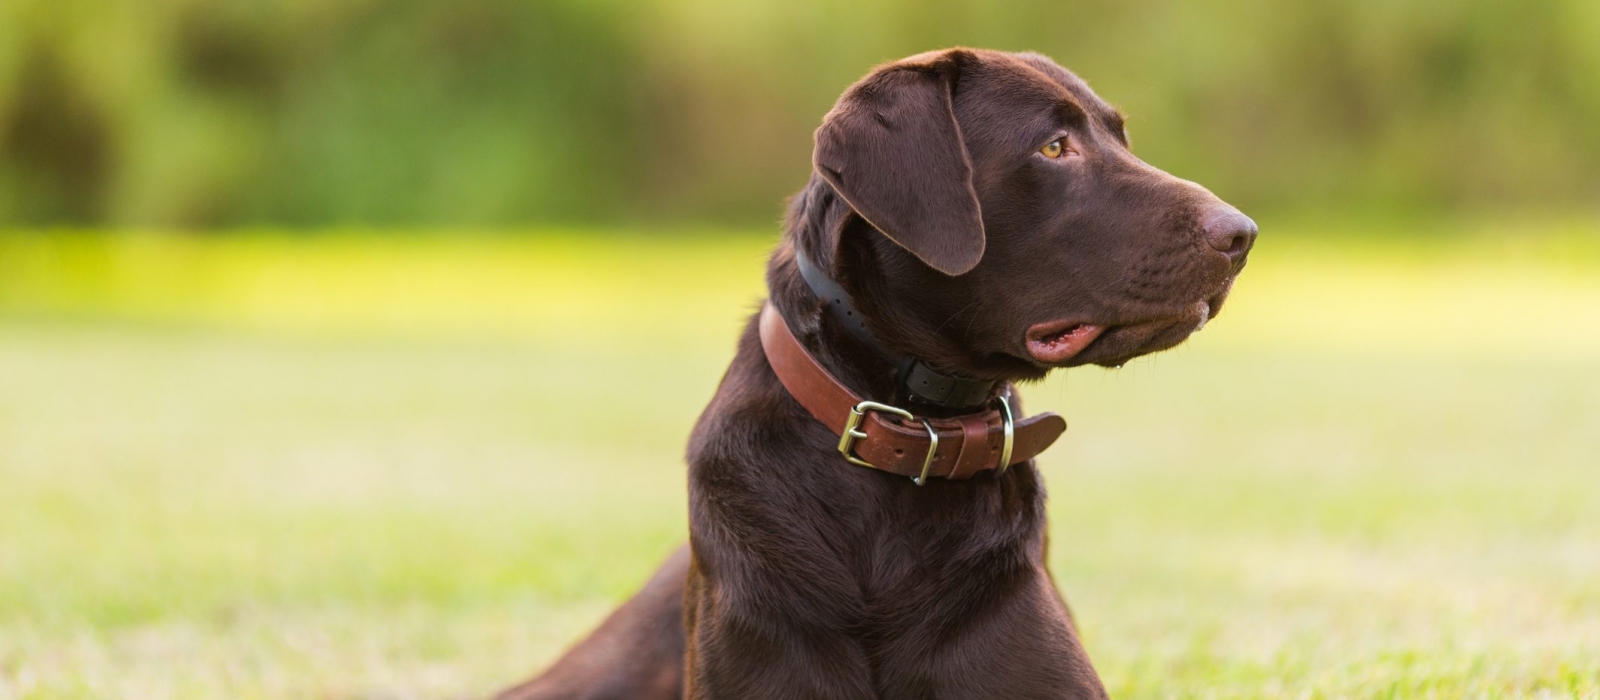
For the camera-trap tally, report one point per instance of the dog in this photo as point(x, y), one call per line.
point(865, 517)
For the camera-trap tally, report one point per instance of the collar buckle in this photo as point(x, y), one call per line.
point(852, 432)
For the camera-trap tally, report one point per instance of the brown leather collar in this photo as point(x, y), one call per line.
point(891, 439)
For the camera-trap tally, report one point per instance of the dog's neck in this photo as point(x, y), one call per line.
point(816, 217)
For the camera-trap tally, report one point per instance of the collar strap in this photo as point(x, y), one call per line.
point(925, 384)
point(892, 439)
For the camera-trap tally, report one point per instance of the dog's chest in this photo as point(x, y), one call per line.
point(917, 556)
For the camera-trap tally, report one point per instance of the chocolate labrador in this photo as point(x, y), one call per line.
point(865, 517)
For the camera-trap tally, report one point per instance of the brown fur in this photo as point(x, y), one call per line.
point(812, 578)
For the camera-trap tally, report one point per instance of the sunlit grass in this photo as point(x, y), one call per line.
point(361, 465)
point(1491, 290)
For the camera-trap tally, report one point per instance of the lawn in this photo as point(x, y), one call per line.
point(358, 465)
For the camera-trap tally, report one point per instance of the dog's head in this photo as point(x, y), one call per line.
point(997, 224)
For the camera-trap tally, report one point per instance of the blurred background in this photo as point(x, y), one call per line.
point(308, 311)
point(199, 114)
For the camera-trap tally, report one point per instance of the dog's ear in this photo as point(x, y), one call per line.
point(892, 148)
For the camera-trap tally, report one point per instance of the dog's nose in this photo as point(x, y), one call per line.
point(1230, 232)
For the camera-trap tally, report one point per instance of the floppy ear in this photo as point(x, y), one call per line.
point(892, 148)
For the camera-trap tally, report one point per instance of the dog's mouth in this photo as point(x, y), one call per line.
point(1055, 342)
point(1076, 343)
point(1135, 340)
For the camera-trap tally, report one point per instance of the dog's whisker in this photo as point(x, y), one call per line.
point(958, 312)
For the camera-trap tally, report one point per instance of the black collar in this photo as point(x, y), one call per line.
point(923, 383)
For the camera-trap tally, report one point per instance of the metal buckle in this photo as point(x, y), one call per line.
point(1011, 435)
point(852, 433)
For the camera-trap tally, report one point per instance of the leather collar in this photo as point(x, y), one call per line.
point(892, 439)
point(921, 382)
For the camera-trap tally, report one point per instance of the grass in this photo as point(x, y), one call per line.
point(365, 466)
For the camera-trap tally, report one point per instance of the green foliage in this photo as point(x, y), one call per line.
point(199, 113)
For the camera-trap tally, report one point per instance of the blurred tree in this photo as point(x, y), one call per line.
point(58, 143)
point(203, 113)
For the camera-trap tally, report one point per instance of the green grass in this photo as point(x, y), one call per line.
point(357, 466)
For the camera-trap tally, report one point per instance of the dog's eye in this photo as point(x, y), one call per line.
point(1055, 149)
